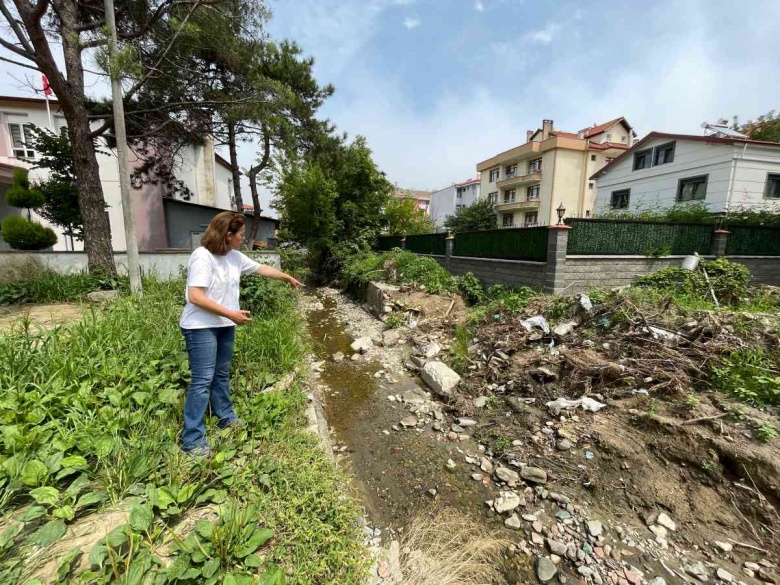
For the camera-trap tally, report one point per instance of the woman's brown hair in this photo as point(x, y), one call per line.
point(215, 238)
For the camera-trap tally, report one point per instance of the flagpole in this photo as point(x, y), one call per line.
point(46, 92)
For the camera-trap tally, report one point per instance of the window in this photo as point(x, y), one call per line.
point(21, 140)
point(508, 220)
point(459, 207)
point(587, 213)
point(532, 193)
point(623, 138)
point(493, 197)
point(509, 196)
point(494, 173)
point(642, 159)
point(511, 171)
point(592, 158)
point(531, 219)
point(460, 194)
point(692, 189)
point(590, 185)
point(772, 190)
point(620, 199)
point(535, 166)
point(664, 154)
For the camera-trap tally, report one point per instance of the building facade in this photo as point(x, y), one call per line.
point(527, 183)
point(422, 198)
point(661, 170)
point(206, 176)
point(448, 201)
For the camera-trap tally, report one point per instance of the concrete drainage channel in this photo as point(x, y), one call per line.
point(409, 456)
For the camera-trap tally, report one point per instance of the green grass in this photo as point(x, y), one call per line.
point(50, 287)
point(90, 415)
point(398, 266)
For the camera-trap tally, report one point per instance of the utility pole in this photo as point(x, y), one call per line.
point(133, 264)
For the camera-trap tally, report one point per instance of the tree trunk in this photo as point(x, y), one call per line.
point(238, 202)
point(252, 174)
point(70, 94)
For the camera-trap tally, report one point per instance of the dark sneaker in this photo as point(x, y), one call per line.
point(200, 453)
point(233, 423)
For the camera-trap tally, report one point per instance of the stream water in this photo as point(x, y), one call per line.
point(393, 470)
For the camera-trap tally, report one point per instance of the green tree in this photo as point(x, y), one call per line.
point(765, 127)
point(478, 216)
point(334, 203)
point(61, 197)
point(21, 233)
point(403, 217)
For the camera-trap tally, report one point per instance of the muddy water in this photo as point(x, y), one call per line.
point(393, 472)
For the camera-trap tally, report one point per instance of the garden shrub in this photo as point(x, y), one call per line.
point(23, 234)
point(729, 281)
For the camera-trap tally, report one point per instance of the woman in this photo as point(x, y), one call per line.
point(209, 324)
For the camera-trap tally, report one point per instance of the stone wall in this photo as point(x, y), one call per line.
point(166, 265)
point(765, 269)
point(507, 272)
point(588, 272)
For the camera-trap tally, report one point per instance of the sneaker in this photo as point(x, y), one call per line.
point(232, 423)
point(200, 452)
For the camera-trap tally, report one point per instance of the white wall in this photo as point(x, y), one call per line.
point(656, 187)
point(442, 205)
point(223, 189)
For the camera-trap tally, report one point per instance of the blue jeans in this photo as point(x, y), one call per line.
point(210, 352)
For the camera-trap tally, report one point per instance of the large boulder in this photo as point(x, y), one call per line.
point(103, 296)
point(362, 344)
point(440, 378)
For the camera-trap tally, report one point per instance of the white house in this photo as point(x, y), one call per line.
point(449, 200)
point(162, 219)
point(724, 173)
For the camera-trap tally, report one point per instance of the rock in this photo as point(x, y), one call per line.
point(594, 527)
point(585, 572)
point(657, 581)
point(537, 526)
point(440, 378)
point(409, 421)
point(659, 531)
point(485, 465)
point(433, 492)
point(480, 402)
point(534, 474)
point(564, 445)
point(724, 575)
point(417, 361)
point(391, 338)
point(556, 547)
point(513, 522)
point(543, 374)
point(507, 502)
point(537, 538)
point(560, 498)
point(431, 350)
point(362, 344)
point(477, 476)
point(752, 566)
point(666, 522)
point(516, 404)
point(562, 515)
point(416, 396)
point(103, 296)
point(456, 429)
point(467, 422)
point(724, 546)
point(338, 356)
point(767, 576)
point(696, 569)
point(391, 398)
point(545, 569)
point(451, 464)
point(506, 474)
point(355, 357)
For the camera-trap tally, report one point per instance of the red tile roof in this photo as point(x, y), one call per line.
point(564, 134)
point(594, 130)
point(606, 145)
point(693, 137)
point(468, 182)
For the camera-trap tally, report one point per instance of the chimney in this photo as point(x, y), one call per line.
point(581, 134)
point(547, 127)
point(528, 134)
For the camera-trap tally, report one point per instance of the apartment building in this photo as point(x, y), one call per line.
point(162, 219)
point(528, 182)
point(421, 198)
point(448, 201)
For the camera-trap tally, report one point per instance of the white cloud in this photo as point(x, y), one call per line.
point(479, 6)
point(411, 23)
point(404, 2)
point(545, 35)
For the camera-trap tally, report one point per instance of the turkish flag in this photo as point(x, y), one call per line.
point(46, 89)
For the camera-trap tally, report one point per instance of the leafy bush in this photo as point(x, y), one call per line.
point(397, 266)
point(50, 287)
point(729, 281)
point(265, 297)
point(23, 234)
point(294, 259)
point(471, 288)
point(752, 375)
point(20, 194)
point(503, 299)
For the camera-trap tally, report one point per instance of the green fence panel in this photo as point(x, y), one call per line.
point(646, 238)
point(386, 243)
point(508, 244)
point(753, 240)
point(427, 244)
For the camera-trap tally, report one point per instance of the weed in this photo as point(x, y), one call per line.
point(749, 374)
point(501, 446)
point(765, 431)
point(50, 287)
point(708, 465)
point(471, 288)
point(691, 403)
point(728, 280)
point(460, 348)
point(394, 320)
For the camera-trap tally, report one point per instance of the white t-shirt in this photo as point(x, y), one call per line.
point(220, 276)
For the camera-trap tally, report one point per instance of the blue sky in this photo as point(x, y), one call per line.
point(439, 85)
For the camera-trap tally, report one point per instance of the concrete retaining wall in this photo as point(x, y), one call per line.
point(507, 272)
point(166, 265)
point(588, 272)
point(765, 269)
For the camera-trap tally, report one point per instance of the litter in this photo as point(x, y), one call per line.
point(537, 321)
point(585, 402)
point(642, 391)
point(586, 303)
point(588, 454)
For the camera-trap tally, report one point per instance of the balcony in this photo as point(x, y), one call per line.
point(517, 204)
point(533, 177)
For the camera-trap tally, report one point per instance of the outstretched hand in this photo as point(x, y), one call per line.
point(240, 316)
point(294, 282)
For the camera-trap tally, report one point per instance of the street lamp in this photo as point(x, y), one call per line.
point(561, 211)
